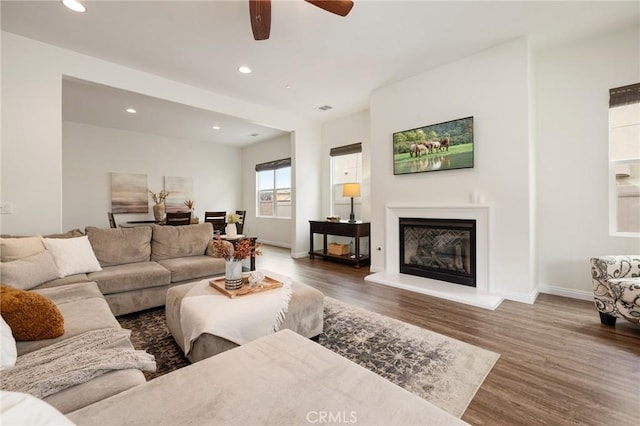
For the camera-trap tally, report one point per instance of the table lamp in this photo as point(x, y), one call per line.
point(351, 190)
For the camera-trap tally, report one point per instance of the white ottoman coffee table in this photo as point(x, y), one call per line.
point(304, 316)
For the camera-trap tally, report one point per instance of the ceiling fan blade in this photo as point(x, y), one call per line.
point(339, 7)
point(260, 14)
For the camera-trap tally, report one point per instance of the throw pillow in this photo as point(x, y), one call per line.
point(17, 248)
point(31, 316)
point(19, 408)
point(8, 349)
point(29, 272)
point(72, 255)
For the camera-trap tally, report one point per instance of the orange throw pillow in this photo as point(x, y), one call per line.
point(30, 315)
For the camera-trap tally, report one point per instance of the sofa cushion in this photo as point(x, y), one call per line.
point(83, 308)
point(95, 390)
point(29, 272)
point(186, 268)
point(31, 316)
point(180, 241)
point(120, 245)
point(17, 248)
point(72, 255)
point(69, 279)
point(129, 277)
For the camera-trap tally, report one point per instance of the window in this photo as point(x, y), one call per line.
point(624, 160)
point(273, 197)
point(346, 167)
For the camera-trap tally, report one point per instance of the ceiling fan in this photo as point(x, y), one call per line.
point(260, 12)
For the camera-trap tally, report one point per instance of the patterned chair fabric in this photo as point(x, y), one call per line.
point(616, 287)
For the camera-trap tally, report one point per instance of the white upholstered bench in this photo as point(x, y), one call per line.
point(304, 316)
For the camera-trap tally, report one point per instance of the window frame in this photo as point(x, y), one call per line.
point(618, 97)
point(273, 167)
point(335, 196)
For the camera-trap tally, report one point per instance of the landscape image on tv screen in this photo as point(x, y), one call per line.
point(442, 146)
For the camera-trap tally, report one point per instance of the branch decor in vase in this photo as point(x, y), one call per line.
point(231, 230)
point(190, 204)
point(233, 256)
point(159, 207)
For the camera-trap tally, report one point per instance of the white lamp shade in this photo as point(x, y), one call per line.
point(351, 190)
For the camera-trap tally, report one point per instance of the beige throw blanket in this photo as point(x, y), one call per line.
point(239, 320)
point(73, 361)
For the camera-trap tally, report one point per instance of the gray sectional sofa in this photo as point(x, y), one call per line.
point(84, 309)
point(137, 265)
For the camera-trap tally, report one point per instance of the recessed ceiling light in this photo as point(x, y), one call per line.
point(244, 70)
point(288, 86)
point(131, 110)
point(74, 5)
point(216, 127)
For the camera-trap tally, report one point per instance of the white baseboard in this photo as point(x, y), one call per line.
point(274, 243)
point(300, 254)
point(566, 292)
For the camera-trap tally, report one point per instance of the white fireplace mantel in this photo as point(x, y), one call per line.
point(481, 295)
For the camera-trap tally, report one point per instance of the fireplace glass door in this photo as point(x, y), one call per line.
point(440, 249)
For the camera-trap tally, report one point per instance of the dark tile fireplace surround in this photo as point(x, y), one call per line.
point(440, 249)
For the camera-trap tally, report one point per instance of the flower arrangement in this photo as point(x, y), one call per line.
point(159, 197)
point(189, 204)
point(226, 250)
point(234, 218)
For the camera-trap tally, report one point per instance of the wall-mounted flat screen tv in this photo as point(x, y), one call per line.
point(442, 146)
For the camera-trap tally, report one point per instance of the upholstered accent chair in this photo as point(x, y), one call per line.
point(616, 287)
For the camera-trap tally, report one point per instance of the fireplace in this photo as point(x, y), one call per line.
point(440, 249)
point(482, 295)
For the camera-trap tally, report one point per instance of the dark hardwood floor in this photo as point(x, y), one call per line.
point(558, 365)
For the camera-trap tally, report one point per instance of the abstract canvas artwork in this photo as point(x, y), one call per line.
point(180, 189)
point(129, 193)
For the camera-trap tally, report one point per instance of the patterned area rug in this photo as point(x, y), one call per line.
point(444, 371)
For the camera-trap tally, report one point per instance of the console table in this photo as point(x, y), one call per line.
point(355, 230)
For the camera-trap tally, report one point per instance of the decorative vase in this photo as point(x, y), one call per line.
point(233, 274)
point(158, 212)
point(231, 230)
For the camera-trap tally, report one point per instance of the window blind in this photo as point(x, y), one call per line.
point(624, 95)
point(273, 165)
point(354, 148)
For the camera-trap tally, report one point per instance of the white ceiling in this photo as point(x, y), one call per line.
point(104, 106)
point(326, 59)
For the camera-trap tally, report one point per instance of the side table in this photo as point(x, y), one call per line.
point(355, 230)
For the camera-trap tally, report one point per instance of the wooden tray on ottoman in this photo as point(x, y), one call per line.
point(267, 283)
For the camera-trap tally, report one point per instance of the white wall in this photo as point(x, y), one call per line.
point(91, 153)
point(271, 230)
point(572, 101)
point(493, 87)
point(31, 156)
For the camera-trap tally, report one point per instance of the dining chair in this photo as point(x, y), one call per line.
point(178, 218)
point(217, 219)
point(243, 218)
point(112, 220)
